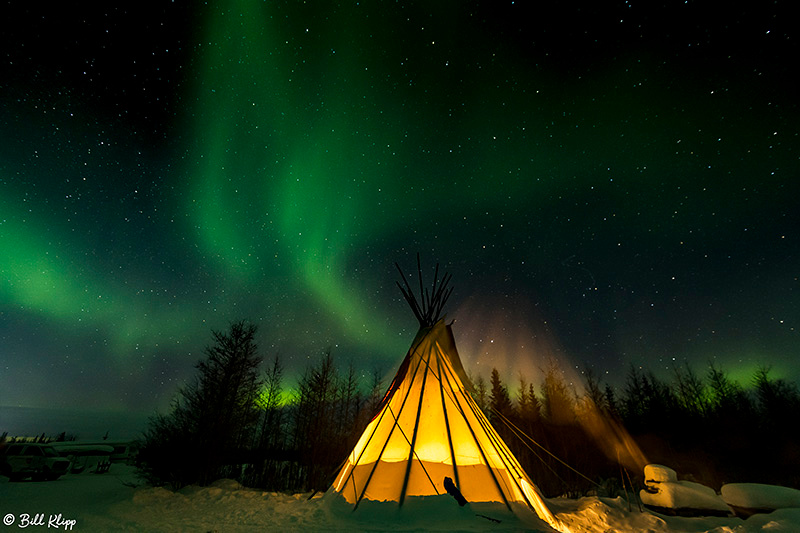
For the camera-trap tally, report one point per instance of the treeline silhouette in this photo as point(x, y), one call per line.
point(236, 423)
point(231, 422)
point(708, 427)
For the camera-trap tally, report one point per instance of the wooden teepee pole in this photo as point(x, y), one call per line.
point(428, 308)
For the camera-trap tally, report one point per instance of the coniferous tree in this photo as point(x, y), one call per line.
point(534, 405)
point(271, 403)
point(374, 398)
point(729, 403)
point(691, 393)
point(529, 406)
point(722, 389)
point(647, 399)
point(225, 396)
point(316, 430)
point(481, 394)
point(499, 401)
point(522, 394)
point(267, 467)
point(778, 401)
point(213, 417)
point(557, 399)
point(634, 401)
point(349, 403)
point(593, 393)
point(610, 400)
point(777, 398)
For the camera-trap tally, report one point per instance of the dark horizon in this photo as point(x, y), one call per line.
point(83, 424)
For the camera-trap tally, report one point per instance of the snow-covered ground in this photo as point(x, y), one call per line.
point(119, 501)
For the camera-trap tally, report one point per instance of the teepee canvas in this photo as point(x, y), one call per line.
point(429, 429)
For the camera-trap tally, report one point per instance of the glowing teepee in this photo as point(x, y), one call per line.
point(429, 428)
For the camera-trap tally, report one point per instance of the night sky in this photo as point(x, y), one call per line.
point(609, 183)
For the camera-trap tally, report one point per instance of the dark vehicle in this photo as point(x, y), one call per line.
point(37, 461)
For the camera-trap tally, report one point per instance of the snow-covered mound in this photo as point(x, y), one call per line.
point(663, 492)
point(748, 498)
point(119, 501)
point(654, 473)
point(685, 497)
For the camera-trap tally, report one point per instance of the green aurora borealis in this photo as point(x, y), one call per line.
point(621, 192)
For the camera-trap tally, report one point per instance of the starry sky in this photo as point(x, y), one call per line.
point(609, 183)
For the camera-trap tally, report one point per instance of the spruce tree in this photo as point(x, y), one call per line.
point(213, 417)
point(499, 401)
point(271, 436)
point(558, 400)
